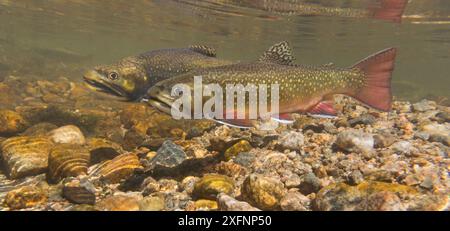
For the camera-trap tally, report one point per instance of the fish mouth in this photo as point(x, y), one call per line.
point(94, 81)
point(159, 100)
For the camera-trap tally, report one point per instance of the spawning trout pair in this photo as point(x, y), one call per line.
point(302, 89)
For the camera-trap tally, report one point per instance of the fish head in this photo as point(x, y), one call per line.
point(163, 94)
point(126, 80)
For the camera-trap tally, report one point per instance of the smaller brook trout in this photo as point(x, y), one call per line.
point(131, 77)
point(389, 10)
point(302, 89)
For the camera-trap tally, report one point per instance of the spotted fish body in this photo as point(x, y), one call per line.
point(130, 78)
point(302, 89)
point(166, 63)
point(390, 10)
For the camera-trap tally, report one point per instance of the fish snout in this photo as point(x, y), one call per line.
point(91, 75)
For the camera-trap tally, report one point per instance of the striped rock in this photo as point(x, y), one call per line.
point(25, 156)
point(118, 169)
point(67, 160)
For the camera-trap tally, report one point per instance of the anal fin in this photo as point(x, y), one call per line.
point(324, 109)
point(284, 118)
point(244, 124)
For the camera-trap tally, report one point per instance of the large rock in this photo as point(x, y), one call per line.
point(79, 191)
point(209, 186)
point(118, 169)
point(228, 203)
point(11, 123)
point(69, 134)
point(263, 192)
point(437, 132)
point(26, 156)
point(291, 140)
point(239, 147)
point(102, 149)
point(424, 105)
point(169, 155)
point(118, 203)
point(152, 203)
point(355, 141)
point(25, 197)
point(40, 129)
point(67, 160)
point(295, 201)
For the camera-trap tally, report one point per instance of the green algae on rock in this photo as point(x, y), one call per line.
point(210, 185)
point(241, 146)
point(263, 192)
point(11, 123)
point(25, 197)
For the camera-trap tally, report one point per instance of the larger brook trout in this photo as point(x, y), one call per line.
point(131, 77)
point(302, 89)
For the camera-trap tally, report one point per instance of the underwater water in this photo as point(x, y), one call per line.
point(63, 147)
point(54, 38)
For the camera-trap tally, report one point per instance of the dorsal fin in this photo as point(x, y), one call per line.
point(204, 50)
point(279, 53)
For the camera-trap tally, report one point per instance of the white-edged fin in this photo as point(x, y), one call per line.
point(232, 125)
point(282, 121)
point(322, 116)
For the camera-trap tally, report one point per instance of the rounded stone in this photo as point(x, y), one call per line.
point(25, 156)
point(209, 186)
point(67, 160)
point(118, 203)
point(239, 147)
point(11, 123)
point(25, 197)
point(263, 192)
point(355, 141)
point(69, 134)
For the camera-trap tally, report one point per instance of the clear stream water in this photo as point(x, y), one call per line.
point(47, 39)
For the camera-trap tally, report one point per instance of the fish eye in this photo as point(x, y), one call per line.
point(113, 75)
point(177, 90)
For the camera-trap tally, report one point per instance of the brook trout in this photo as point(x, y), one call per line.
point(391, 10)
point(302, 89)
point(131, 77)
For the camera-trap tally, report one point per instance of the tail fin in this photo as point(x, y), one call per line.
point(390, 10)
point(378, 70)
